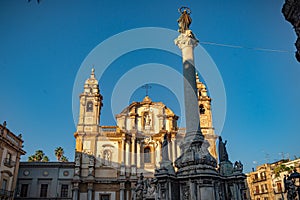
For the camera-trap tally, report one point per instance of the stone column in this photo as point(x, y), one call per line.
point(127, 153)
point(133, 163)
point(75, 194)
point(170, 150)
point(123, 150)
point(158, 153)
point(122, 171)
point(174, 149)
point(122, 191)
point(187, 42)
point(90, 191)
point(75, 191)
point(138, 155)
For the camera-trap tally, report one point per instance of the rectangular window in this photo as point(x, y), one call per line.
point(279, 188)
point(64, 190)
point(44, 190)
point(24, 190)
point(104, 196)
point(257, 189)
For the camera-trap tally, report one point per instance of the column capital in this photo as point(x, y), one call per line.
point(186, 39)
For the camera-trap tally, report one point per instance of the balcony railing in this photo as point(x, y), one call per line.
point(264, 178)
point(9, 163)
point(5, 194)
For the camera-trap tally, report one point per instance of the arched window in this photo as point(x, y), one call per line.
point(147, 155)
point(89, 106)
point(201, 109)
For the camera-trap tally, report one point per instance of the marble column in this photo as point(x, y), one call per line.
point(138, 155)
point(90, 191)
point(187, 42)
point(122, 191)
point(170, 151)
point(127, 153)
point(123, 150)
point(158, 153)
point(174, 148)
point(133, 163)
point(75, 191)
point(133, 150)
point(122, 171)
point(75, 194)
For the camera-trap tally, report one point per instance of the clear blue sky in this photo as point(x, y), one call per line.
point(43, 46)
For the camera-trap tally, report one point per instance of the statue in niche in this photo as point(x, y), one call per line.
point(165, 152)
point(147, 119)
point(107, 157)
point(223, 155)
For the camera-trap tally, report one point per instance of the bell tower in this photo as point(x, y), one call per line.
point(89, 110)
point(204, 102)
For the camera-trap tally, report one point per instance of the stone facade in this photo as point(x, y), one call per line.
point(50, 180)
point(11, 149)
point(109, 159)
point(267, 180)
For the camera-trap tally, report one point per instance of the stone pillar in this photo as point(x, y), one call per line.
point(133, 163)
point(123, 150)
point(187, 42)
point(75, 191)
point(174, 149)
point(158, 153)
point(122, 191)
point(75, 194)
point(90, 191)
point(170, 150)
point(127, 153)
point(138, 155)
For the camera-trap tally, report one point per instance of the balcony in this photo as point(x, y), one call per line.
point(5, 194)
point(259, 179)
point(9, 163)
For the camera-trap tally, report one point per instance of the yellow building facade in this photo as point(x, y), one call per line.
point(267, 181)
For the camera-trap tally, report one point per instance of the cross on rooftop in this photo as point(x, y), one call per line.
point(146, 87)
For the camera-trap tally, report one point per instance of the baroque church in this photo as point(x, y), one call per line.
point(110, 159)
point(146, 155)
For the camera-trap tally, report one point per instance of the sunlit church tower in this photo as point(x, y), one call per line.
point(89, 115)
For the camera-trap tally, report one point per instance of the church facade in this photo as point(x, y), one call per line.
point(110, 159)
